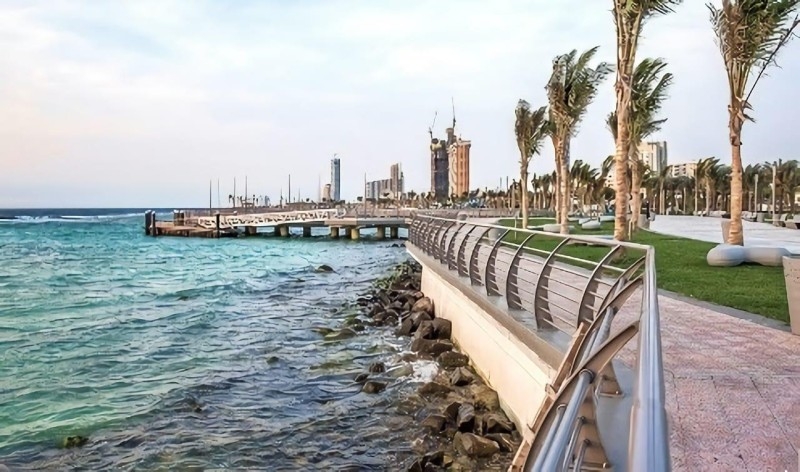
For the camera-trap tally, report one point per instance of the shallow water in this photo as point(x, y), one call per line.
point(175, 353)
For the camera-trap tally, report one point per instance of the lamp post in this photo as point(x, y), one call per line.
point(774, 191)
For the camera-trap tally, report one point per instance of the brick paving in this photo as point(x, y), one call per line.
point(733, 389)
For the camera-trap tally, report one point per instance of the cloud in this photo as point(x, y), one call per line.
point(98, 98)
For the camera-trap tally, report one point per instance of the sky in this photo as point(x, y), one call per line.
point(142, 103)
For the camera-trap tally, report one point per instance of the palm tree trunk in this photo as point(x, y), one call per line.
point(566, 200)
point(523, 174)
point(709, 191)
point(636, 188)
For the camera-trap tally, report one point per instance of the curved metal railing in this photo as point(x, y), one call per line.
point(574, 285)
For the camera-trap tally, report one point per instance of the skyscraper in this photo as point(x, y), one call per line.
point(654, 154)
point(336, 171)
point(396, 176)
point(458, 156)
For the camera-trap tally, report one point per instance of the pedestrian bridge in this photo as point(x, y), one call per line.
point(536, 313)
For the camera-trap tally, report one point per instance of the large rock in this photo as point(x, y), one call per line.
point(461, 376)
point(435, 423)
point(452, 360)
point(505, 441)
point(406, 328)
point(418, 317)
point(423, 304)
point(442, 328)
point(725, 255)
point(372, 386)
point(451, 410)
point(425, 330)
point(497, 423)
point(377, 367)
point(74, 441)
point(465, 419)
point(475, 446)
point(325, 268)
point(485, 397)
point(434, 389)
point(344, 333)
point(431, 346)
point(766, 256)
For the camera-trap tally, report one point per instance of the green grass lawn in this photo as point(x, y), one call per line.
point(681, 267)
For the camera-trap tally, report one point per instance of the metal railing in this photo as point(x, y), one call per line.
point(575, 285)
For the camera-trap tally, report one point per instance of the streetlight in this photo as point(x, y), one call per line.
point(774, 191)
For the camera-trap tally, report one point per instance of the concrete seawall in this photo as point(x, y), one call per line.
point(513, 360)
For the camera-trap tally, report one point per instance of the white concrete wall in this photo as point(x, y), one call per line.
point(505, 363)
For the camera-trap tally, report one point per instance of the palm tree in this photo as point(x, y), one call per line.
point(650, 86)
point(629, 17)
point(530, 131)
point(749, 35)
point(572, 87)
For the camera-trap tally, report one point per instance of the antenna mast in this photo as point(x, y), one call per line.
point(454, 112)
point(430, 128)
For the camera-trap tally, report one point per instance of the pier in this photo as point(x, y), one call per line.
point(341, 223)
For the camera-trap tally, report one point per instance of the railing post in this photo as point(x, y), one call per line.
point(586, 311)
point(542, 284)
point(492, 288)
point(460, 257)
point(451, 245)
point(511, 280)
point(474, 275)
point(441, 240)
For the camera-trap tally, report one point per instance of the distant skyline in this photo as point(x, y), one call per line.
point(141, 103)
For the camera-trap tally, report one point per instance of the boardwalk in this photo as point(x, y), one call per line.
point(733, 390)
point(709, 229)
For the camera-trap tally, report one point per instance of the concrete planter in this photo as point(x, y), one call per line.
point(643, 222)
point(791, 273)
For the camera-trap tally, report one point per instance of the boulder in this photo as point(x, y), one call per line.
point(434, 389)
point(431, 346)
point(505, 441)
point(377, 367)
point(725, 255)
point(452, 360)
point(74, 441)
point(465, 419)
point(766, 256)
point(475, 446)
point(443, 328)
point(424, 304)
point(498, 423)
point(435, 423)
point(425, 330)
point(461, 376)
point(406, 328)
point(372, 386)
point(325, 268)
point(485, 397)
point(451, 410)
point(361, 378)
point(417, 317)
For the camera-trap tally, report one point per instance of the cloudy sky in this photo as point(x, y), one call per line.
point(140, 103)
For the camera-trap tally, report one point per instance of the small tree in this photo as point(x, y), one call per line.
point(530, 131)
point(572, 87)
point(749, 35)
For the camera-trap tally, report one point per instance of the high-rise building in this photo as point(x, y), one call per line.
point(687, 169)
point(326, 193)
point(336, 182)
point(439, 169)
point(379, 189)
point(654, 155)
point(396, 176)
point(458, 167)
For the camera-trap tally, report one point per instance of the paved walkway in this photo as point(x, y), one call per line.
point(733, 390)
point(710, 229)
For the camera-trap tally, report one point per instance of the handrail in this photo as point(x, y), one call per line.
point(566, 438)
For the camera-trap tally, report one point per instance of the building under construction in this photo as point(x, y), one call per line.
point(449, 163)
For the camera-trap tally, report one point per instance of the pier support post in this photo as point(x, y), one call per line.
point(355, 233)
point(394, 232)
point(381, 234)
point(334, 232)
point(216, 222)
point(147, 223)
point(153, 224)
point(283, 231)
point(250, 230)
point(306, 231)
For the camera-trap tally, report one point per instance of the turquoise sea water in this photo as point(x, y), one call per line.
point(178, 353)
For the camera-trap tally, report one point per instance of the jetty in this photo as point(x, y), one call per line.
point(343, 222)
